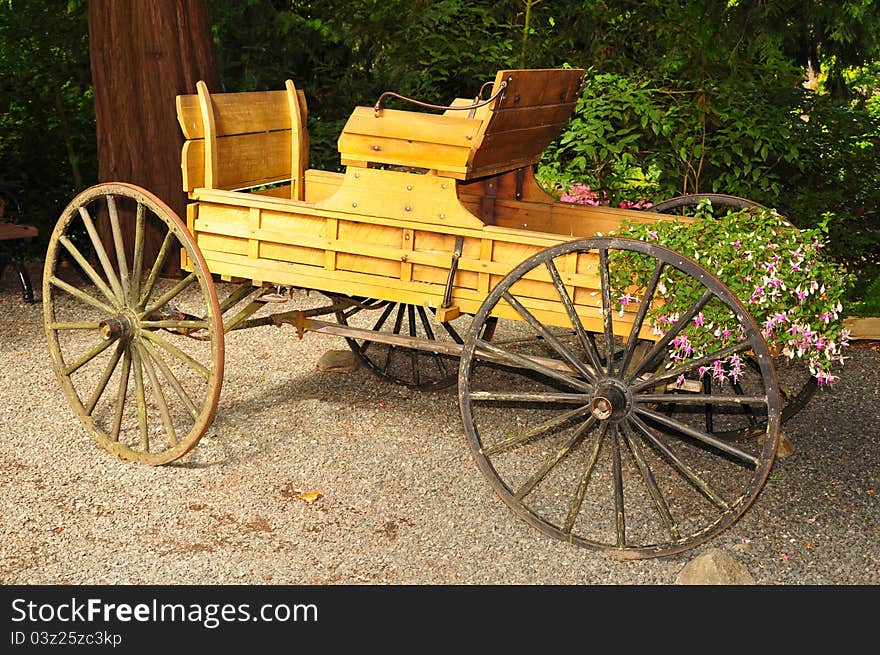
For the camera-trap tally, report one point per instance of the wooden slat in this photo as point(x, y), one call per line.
point(445, 129)
point(243, 160)
point(235, 113)
point(547, 86)
point(526, 144)
point(518, 118)
point(403, 152)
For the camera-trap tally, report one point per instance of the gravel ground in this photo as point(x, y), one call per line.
point(402, 499)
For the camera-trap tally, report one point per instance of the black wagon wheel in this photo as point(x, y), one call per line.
point(688, 200)
point(796, 385)
point(410, 367)
point(120, 344)
point(583, 445)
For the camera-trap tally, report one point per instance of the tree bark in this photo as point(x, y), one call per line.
point(143, 54)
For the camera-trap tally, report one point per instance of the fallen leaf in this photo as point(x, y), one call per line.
point(310, 496)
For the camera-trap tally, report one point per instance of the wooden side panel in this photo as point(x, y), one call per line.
point(235, 113)
point(446, 129)
point(539, 86)
point(244, 160)
point(403, 152)
point(321, 184)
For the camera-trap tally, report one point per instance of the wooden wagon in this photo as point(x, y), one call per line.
point(442, 261)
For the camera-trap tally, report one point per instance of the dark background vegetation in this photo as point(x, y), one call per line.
point(774, 100)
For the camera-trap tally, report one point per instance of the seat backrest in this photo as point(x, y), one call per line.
point(237, 141)
point(531, 109)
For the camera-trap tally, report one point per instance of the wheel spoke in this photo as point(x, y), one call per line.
point(172, 379)
point(378, 326)
point(88, 269)
point(120, 247)
point(75, 325)
point(429, 332)
point(619, 512)
point(89, 356)
point(535, 431)
point(607, 312)
point(171, 294)
point(683, 469)
point(554, 459)
point(536, 397)
point(137, 256)
point(578, 498)
point(121, 395)
point(398, 321)
point(141, 401)
point(698, 399)
point(82, 295)
point(102, 254)
point(105, 378)
point(639, 320)
point(175, 324)
point(673, 331)
point(550, 338)
point(699, 435)
point(587, 342)
point(413, 353)
point(156, 270)
point(160, 398)
point(177, 352)
point(526, 362)
point(650, 482)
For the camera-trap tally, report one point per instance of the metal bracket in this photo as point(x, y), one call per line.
point(446, 311)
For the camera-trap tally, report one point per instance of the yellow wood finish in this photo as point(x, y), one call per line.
point(509, 133)
point(242, 140)
point(389, 234)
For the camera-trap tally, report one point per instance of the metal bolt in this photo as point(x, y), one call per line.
point(409, 187)
point(442, 216)
point(354, 204)
point(408, 208)
point(376, 148)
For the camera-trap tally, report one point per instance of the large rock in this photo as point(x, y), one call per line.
point(338, 361)
point(714, 567)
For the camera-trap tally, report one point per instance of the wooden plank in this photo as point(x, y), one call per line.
point(404, 152)
point(235, 113)
point(537, 86)
point(518, 118)
point(247, 160)
point(441, 129)
point(514, 145)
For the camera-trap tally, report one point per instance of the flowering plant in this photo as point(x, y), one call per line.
point(581, 194)
point(780, 273)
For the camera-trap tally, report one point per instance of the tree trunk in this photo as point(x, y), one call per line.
point(143, 54)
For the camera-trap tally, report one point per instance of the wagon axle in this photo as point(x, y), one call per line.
point(611, 400)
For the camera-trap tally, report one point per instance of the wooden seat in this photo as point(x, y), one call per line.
point(239, 141)
point(14, 237)
point(532, 108)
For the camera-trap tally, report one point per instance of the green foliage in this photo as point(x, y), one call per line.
point(47, 132)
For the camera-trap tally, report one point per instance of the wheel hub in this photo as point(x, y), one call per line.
point(611, 400)
point(115, 328)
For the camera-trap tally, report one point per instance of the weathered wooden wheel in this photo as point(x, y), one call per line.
point(418, 369)
point(121, 345)
point(581, 444)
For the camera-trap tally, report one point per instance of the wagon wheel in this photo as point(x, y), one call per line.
point(119, 345)
point(575, 442)
point(797, 385)
point(694, 199)
point(418, 369)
